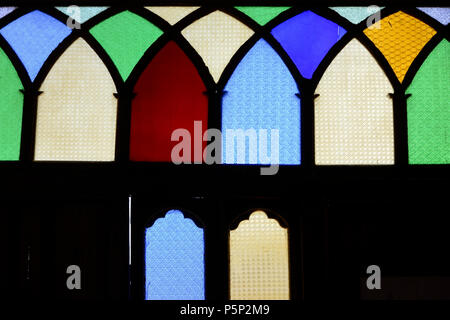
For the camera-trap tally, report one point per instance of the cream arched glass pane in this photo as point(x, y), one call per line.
point(217, 37)
point(354, 113)
point(76, 116)
point(259, 260)
point(172, 14)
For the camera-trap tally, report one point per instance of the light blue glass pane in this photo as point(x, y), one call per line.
point(440, 14)
point(356, 14)
point(307, 38)
point(84, 14)
point(6, 10)
point(174, 259)
point(33, 37)
point(261, 95)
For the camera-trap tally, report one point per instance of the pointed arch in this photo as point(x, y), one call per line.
point(307, 38)
point(428, 109)
point(11, 109)
point(33, 37)
point(259, 259)
point(169, 96)
point(253, 101)
point(76, 117)
point(354, 113)
point(216, 37)
point(174, 259)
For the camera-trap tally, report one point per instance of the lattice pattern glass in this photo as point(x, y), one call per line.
point(400, 38)
point(172, 14)
point(174, 259)
point(217, 37)
point(76, 116)
point(429, 110)
point(259, 260)
point(354, 113)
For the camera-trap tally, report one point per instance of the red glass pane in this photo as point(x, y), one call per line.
point(169, 95)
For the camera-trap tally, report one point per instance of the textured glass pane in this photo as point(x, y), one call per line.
point(6, 10)
point(33, 37)
point(216, 38)
point(174, 259)
point(440, 14)
point(76, 117)
point(126, 37)
point(429, 110)
point(400, 38)
point(262, 15)
point(259, 263)
point(172, 14)
point(353, 114)
point(254, 100)
point(169, 96)
point(85, 13)
point(307, 38)
point(11, 102)
point(356, 14)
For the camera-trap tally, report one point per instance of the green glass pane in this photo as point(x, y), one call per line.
point(356, 14)
point(125, 37)
point(11, 104)
point(262, 15)
point(429, 110)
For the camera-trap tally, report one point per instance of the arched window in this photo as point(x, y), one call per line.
point(259, 263)
point(307, 38)
point(174, 259)
point(429, 110)
point(169, 96)
point(256, 103)
point(77, 110)
point(11, 107)
point(354, 113)
point(400, 38)
point(216, 37)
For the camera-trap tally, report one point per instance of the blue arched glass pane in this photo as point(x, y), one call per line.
point(33, 37)
point(440, 14)
point(174, 259)
point(307, 38)
point(261, 95)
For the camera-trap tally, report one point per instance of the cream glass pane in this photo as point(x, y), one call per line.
point(354, 113)
point(216, 38)
point(76, 117)
point(259, 267)
point(172, 14)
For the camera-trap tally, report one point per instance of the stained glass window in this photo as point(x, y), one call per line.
point(33, 37)
point(11, 103)
point(354, 113)
point(259, 263)
point(400, 38)
point(253, 101)
point(76, 116)
point(216, 38)
point(429, 109)
point(125, 37)
point(174, 259)
point(169, 96)
point(307, 38)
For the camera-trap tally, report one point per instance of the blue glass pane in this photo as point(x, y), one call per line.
point(84, 14)
point(6, 10)
point(440, 14)
point(307, 38)
point(261, 95)
point(174, 259)
point(33, 37)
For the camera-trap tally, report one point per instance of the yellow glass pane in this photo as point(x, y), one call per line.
point(76, 116)
point(259, 267)
point(354, 114)
point(172, 14)
point(400, 38)
point(217, 37)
